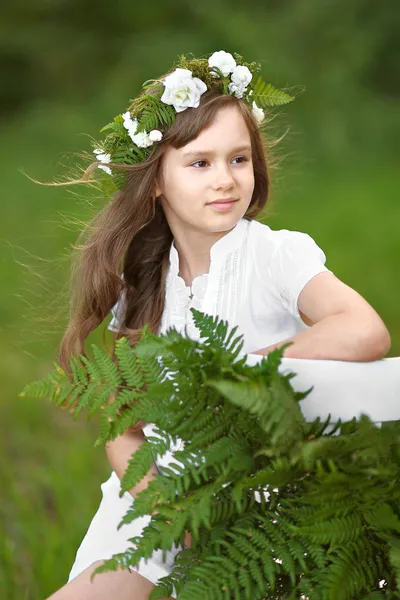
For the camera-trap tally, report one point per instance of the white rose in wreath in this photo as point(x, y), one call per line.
point(155, 135)
point(182, 90)
point(241, 75)
point(236, 89)
point(240, 79)
point(224, 61)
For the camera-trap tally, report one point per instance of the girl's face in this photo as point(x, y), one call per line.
point(217, 165)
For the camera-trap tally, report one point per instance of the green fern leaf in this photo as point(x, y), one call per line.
point(127, 363)
point(265, 95)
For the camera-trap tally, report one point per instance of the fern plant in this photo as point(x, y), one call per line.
point(278, 508)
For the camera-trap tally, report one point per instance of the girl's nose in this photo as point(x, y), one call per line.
point(223, 178)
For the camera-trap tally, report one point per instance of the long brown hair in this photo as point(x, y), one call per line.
point(131, 236)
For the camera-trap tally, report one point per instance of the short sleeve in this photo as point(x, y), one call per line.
point(296, 260)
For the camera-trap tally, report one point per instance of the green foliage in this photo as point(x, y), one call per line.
point(155, 113)
point(277, 507)
point(265, 95)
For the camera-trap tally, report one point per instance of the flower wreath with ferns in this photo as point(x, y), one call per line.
point(131, 135)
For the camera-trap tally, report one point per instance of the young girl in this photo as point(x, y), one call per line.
point(180, 232)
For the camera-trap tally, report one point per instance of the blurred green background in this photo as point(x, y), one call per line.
point(69, 67)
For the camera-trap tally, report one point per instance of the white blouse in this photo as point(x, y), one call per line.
point(255, 278)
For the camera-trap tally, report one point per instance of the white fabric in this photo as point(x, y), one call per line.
point(255, 278)
point(102, 539)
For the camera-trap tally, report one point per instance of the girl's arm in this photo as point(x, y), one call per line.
point(119, 452)
point(344, 326)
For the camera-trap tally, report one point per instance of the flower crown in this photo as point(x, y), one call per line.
point(133, 133)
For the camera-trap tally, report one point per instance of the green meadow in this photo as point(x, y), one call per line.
point(338, 181)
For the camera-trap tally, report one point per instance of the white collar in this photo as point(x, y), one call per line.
point(225, 245)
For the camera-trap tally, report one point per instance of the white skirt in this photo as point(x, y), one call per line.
point(103, 539)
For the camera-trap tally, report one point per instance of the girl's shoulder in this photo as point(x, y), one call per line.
point(266, 238)
point(284, 261)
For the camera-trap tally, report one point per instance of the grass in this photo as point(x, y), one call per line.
point(50, 474)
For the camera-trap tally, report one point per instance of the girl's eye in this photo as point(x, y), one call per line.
point(204, 161)
point(245, 159)
point(197, 162)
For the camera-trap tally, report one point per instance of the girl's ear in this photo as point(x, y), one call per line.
point(157, 190)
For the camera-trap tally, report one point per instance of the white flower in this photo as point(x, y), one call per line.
point(106, 169)
point(142, 139)
point(240, 79)
point(155, 135)
point(224, 61)
point(182, 90)
point(236, 89)
point(130, 124)
point(103, 157)
point(241, 75)
point(258, 113)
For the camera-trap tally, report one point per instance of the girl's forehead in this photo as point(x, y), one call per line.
point(227, 130)
point(228, 119)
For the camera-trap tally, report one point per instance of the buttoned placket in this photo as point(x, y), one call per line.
point(188, 297)
point(203, 292)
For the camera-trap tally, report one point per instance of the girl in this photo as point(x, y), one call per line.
point(180, 232)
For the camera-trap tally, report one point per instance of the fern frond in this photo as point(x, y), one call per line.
point(155, 114)
point(127, 364)
point(334, 531)
point(106, 367)
point(279, 416)
point(265, 95)
point(277, 507)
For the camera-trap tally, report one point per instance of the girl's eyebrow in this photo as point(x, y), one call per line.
point(211, 152)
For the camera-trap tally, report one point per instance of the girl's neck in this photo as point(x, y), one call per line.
point(193, 250)
point(192, 261)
